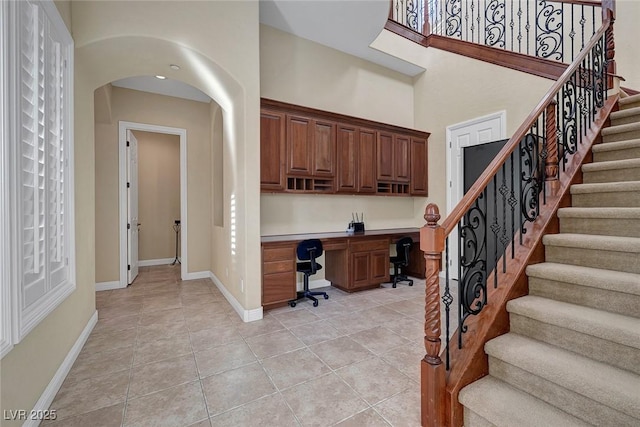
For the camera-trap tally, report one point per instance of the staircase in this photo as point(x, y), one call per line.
point(572, 356)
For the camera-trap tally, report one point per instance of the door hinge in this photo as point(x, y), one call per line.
point(128, 184)
point(127, 143)
point(128, 226)
point(128, 267)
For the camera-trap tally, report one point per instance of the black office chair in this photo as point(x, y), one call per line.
point(308, 250)
point(401, 260)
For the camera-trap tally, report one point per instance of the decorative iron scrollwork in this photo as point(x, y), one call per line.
point(412, 14)
point(530, 164)
point(549, 31)
point(453, 14)
point(494, 30)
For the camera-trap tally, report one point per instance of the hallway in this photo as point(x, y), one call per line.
point(167, 352)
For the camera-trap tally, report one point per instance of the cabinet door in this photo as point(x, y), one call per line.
point(380, 266)
point(299, 145)
point(419, 169)
point(384, 151)
point(347, 155)
point(324, 148)
point(367, 161)
point(272, 150)
point(278, 287)
point(360, 269)
point(401, 158)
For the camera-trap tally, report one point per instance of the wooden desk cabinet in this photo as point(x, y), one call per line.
point(351, 262)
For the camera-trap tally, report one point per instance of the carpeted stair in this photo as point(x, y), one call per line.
point(572, 356)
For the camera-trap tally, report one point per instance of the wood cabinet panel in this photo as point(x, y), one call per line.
point(367, 161)
point(419, 167)
point(299, 145)
point(272, 150)
point(380, 266)
point(402, 170)
point(324, 148)
point(384, 153)
point(360, 269)
point(347, 157)
point(369, 245)
point(278, 287)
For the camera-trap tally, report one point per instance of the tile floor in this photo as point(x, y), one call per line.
point(167, 352)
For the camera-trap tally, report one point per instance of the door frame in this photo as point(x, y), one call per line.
point(123, 126)
point(457, 181)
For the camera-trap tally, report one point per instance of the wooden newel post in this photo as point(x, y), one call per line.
point(551, 146)
point(432, 369)
point(609, 12)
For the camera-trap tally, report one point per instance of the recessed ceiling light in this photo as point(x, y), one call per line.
point(174, 67)
point(160, 77)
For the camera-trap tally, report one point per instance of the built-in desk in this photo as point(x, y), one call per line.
point(352, 262)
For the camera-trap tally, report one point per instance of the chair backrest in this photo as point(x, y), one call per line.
point(403, 247)
point(309, 250)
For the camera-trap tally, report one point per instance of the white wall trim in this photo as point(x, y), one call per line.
point(123, 126)
point(56, 382)
point(152, 262)
point(245, 315)
point(107, 286)
point(197, 275)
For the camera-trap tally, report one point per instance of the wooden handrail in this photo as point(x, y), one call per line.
point(476, 189)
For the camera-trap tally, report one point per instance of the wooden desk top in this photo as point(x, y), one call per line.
point(336, 235)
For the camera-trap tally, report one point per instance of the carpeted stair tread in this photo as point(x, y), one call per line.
point(614, 130)
point(504, 405)
point(613, 213)
point(611, 165)
point(616, 281)
point(613, 387)
point(589, 241)
point(615, 146)
point(605, 187)
point(612, 327)
point(629, 100)
point(628, 112)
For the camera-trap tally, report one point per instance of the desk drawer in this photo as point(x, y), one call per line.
point(369, 245)
point(278, 266)
point(279, 253)
point(278, 287)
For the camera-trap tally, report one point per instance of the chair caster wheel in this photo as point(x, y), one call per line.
point(393, 286)
point(410, 284)
point(292, 303)
point(315, 303)
point(326, 296)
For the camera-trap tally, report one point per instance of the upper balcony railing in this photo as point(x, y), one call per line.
point(552, 30)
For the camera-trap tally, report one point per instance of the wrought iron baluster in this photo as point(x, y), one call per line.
point(572, 34)
point(494, 24)
point(504, 239)
point(511, 24)
point(447, 299)
point(582, 22)
point(512, 202)
point(495, 228)
point(543, 155)
point(460, 281)
point(473, 25)
point(527, 27)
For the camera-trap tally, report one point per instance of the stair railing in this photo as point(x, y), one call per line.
point(496, 230)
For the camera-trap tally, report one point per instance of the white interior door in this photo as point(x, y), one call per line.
point(132, 207)
point(474, 132)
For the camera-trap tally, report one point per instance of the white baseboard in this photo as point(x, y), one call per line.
point(197, 275)
point(107, 286)
point(152, 262)
point(56, 382)
point(245, 315)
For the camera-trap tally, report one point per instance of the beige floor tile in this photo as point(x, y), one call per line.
point(260, 327)
point(267, 411)
point(90, 364)
point(406, 359)
point(88, 395)
point(360, 302)
point(293, 368)
point(166, 348)
point(190, 300)
point(296, 317)
point(158, 376)
point(223, 358)
point(175, 407)
point(330, 309)
point(161, 303)
point(162, 316)
point(408, 308)
point(379, 339)
point(407, 327)
point(110, 416)
point(340, 352)
point(350, 322)
point(315, 332)
point(402, 409)
point(117, 324)
point(236, 387)
point(130, 301)
point(161, 331)
point(380, 315)
point(323, 401)
point(214, 337)
point(374, 379)
point(274, 343)
point(368, 418)
point(118, 310)
point(203, 423)
point(204, 320)
point(110, 340)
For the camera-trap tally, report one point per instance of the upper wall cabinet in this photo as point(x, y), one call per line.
point(307, 150)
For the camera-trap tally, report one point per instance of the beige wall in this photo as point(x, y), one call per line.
point(305, 73)
point(158, 193)
point(142, 107)
point(626, 38)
